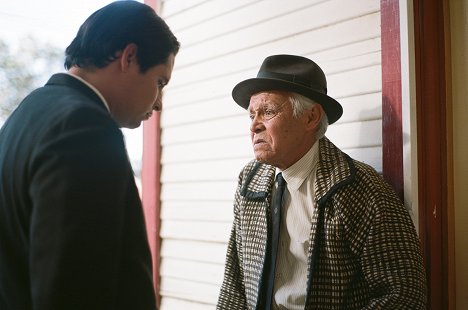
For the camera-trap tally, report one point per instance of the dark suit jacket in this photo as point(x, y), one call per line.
point(72, 232)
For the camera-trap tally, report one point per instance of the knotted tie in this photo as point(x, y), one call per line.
point(276, 223)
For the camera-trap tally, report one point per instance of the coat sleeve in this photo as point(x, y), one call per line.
point(391, 260)
point(232, 295)
point(79, 186)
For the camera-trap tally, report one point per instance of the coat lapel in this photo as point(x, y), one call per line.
point(258, 183)
point(63, 79)
point(334, 170)
point(255, 198)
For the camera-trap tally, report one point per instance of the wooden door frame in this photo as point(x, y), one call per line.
point(392, 128)
point(432, 64)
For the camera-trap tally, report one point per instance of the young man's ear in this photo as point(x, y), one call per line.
point(128, 56)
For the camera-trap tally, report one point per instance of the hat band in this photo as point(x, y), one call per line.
point(290, 78)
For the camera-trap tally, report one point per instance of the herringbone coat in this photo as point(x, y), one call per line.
point(363, 248)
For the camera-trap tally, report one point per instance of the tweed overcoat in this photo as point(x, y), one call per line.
point(72, 231)
point(363, 248)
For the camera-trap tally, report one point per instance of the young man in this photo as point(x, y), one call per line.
point(331, 234)
point(72, 232)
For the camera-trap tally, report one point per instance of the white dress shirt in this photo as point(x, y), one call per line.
point(296, 220)
point(92, 87)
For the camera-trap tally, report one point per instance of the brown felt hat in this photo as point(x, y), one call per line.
point(290, 73)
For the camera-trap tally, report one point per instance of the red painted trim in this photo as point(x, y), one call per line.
point(151, 186)
point(152, 3)
point(150, 179)
point(431, 105)
point(392, 132)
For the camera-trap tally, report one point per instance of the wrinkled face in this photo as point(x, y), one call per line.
point(278, 138)
point(143, 93)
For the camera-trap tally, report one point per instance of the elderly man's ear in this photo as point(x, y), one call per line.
point(314, 115)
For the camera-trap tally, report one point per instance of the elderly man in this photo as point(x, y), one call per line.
point(329, 233)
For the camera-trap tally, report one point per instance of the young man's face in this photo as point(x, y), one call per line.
point(279, 138)
point(143, 93)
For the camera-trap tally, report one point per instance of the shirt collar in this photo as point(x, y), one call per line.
point(92, 87)
point(296, 174)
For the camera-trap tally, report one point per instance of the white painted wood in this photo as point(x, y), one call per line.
point(364, 107)
point(195, 230)
point(357, 45)
point(369, 155)
point(188, 290)
point(217, 211)
point(227, 148)
point(355, 82)
point(208, 130)
point(198, 251)
point(190, 270)
point(219, 170)
point(177, 7)
point(346, 32)
point(236, 19)
point(203, 13)
point(198, 191)
point(351, 52)
point(357, 134)
point(208, 109)
point(169, 303)
point(205, 134)
point(273, 29)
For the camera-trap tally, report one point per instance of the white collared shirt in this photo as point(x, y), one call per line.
point(296, 220)
point(92, 87)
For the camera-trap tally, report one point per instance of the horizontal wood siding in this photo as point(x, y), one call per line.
point(205, 135)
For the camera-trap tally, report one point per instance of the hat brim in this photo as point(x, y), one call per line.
point(242, 92)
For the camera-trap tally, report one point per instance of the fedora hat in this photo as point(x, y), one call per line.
point(289, 73)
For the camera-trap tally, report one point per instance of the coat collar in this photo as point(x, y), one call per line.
point(259, 181)
point(334, 169)
point(63, 79)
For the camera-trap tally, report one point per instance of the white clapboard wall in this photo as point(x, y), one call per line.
point(205, 135)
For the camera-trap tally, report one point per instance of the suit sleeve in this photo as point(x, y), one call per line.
point(79, 178)
point(232, 295)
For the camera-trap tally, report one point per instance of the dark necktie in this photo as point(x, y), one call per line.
point(276, 223)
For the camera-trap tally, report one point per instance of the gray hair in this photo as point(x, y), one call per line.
point(300, 103)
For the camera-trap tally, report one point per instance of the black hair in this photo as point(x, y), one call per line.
point(111, 28)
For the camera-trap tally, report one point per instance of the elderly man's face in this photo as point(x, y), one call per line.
point(278, 138)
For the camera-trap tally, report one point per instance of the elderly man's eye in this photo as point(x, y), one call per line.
point(269, 113)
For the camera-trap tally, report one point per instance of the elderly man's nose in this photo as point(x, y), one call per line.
point(256, 125)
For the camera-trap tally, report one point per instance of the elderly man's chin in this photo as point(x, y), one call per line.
point(263, 158)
